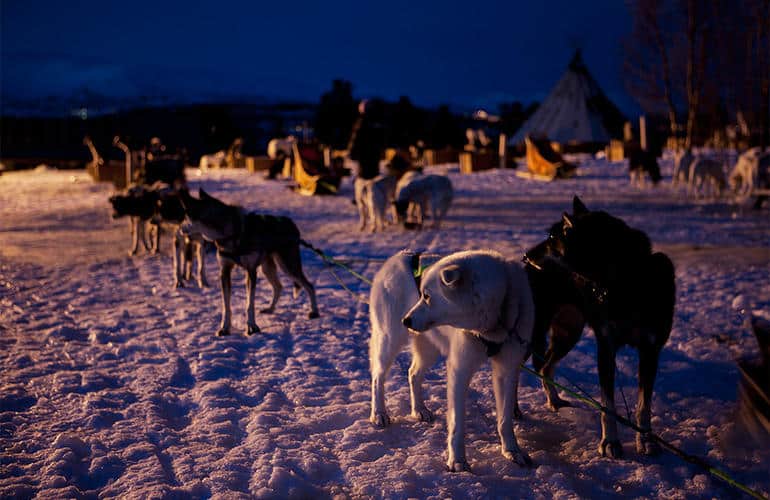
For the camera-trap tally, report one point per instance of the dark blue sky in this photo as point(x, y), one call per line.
point(467, 53)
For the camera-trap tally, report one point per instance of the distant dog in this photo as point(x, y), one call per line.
point(682, 160)
point(157, 206)
point(187, 245)
point(138, 204)
point(625, 292)
point(706, 176)
point(216, 160)
point(434, 191)
point(374, 197)
point(250, 241)
point(752, 168)
point(642, 163)
point(468, 306)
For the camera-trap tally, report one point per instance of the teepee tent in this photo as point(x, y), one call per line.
point(576, 111)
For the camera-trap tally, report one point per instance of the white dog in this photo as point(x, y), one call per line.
point(705, 173)
point(434, 191)
point(469, 306)
point(374, 197)
point(216, 160)
point(744, 176)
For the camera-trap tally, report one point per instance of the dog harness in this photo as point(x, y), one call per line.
point(596, 292)
point(255, 231)
point(493, 348)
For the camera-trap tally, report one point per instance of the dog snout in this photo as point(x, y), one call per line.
point(407, 321)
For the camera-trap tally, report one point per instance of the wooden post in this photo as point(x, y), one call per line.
point(327, 157)
point(627, 132)
point(643, 133)
point(502, 150)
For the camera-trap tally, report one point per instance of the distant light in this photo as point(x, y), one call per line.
point(480, 114)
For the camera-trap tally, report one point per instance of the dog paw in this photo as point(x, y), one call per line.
point(423, 415)
point(252, 329)
point(313, 315)
point(519, 457)
point(223, 332)
point(380, 419)
point(645, 446)
point(267, 310)
point(611, 449)
point(458, 466)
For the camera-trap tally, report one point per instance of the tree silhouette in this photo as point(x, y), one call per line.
point(335, 115)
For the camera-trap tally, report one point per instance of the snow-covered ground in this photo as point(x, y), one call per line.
point(113, 384)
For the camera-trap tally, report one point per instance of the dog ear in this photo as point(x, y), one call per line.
point(566, 223)
point(578, 207)
point(451, 276)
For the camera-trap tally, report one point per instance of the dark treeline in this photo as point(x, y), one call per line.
point(203, 129)
point(704, 65)
point(405, 124)
point(194, 129)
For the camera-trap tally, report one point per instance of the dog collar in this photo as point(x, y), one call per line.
point(417, 269)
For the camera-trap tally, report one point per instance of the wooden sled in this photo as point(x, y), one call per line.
point(545, 163)
point(310, 174)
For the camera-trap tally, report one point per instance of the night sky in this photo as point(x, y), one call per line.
point(465, 53)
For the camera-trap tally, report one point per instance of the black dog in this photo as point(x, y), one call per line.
point(138, 203)
point(623, 290)
point(641, 162)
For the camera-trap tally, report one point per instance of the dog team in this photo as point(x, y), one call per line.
point(470, 306)
point(704, 176)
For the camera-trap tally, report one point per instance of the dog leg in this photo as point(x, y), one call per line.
point(566, 329)
point(178, 282)
point(268, 269)
point(648, 369)
point(251, 284)
point(156, 238)
point(187, 245)
point(505, 378)
point(459, 376)
point(134, 223)
point(200, 251)
point(290, 262)
point(384, 346)
point(360, 195)
point(610, 444)
point(143, 235)
point(225, 270)
point(424, 356)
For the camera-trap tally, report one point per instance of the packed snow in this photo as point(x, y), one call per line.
point(114, 385)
